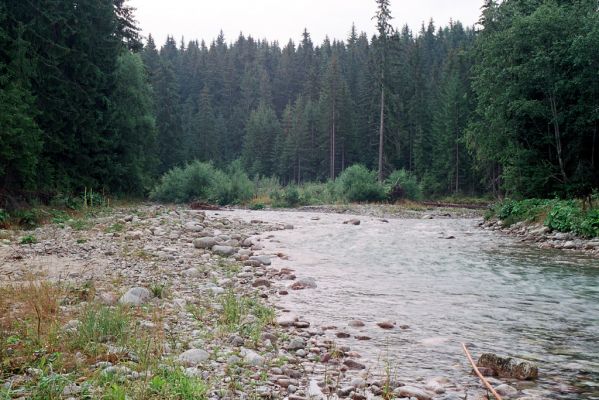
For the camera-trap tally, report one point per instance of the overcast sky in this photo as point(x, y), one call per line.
point(284, 19)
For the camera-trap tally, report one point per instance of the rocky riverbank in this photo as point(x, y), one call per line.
point(187, 308)
point(408, 210)
point(543, 237)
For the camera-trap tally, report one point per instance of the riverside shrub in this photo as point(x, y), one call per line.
point(203, 182)
point(358, 183)
point(559, 215)
point(407, 182)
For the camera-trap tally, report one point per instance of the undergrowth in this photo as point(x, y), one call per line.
point(577, 216)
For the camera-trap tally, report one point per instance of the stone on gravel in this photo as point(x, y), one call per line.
point(193, 357)
point(204, 243)
point(135, 296)
point(506, 390)
point(261, 282)
point(314, 391)
point(352, 222)
point(194, 227)
point(296, 344)
point(223, 250)
point(251, 357)
point(351, 364)
point(286, 320)
point(264, 260)
point(411, 391)
point(134, 235)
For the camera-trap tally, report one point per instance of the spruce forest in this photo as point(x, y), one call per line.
point(507, 107)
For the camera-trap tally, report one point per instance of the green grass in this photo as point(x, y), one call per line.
point(101, 324)
point(172, 383)
point(28, 239)
point(235, 312)
point(114, 228)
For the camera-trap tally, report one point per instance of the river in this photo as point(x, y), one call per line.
point(480, 287)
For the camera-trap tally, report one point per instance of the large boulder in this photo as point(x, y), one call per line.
point(508, 367)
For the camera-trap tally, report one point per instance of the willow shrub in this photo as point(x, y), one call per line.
point(358, 183)
point(203, 182)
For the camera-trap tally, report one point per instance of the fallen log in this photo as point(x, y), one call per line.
point(482, 378)
point(198, 205)
point(455, 205)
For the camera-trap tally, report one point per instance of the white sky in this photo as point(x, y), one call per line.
point(284, 19)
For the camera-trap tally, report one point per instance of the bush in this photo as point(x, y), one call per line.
point(402, 184)
point(203, 182)
point(558, 215)
point(358, 183)
point(589, 226)
point(565, 216)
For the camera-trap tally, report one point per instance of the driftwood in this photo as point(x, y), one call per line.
point(198, 205)
point(452, 205)
point(482, 378)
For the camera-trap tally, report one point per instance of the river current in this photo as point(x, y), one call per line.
point(481, 288)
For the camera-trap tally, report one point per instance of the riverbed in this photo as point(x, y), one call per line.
point(444, 281)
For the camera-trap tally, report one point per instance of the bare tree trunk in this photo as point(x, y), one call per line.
point(558, 140)
point(593, 148)
point(381, 133)
point(333, 145)
point(457, 167)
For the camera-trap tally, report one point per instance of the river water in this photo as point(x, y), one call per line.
point(481, 288)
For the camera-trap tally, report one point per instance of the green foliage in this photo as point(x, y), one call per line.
point(406, 183)
point(536, 112)
point(263, 128)
point(135, 128)
point(234, 186)
point(173, 383)
point(194, 182)
point(202, 181)
point(28, 219)
point(287, 197)
point(559, 215)
point(101, 324)
point(358, 183)
point(4, 217)
point(29, 239)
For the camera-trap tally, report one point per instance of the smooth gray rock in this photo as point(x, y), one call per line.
point(193, 357)
point(411, 391)
point(506, 390)
point(296, 344)
point(251, 357)
point(264, 260)
point(135, 296)
point(223, 250)
point(204, 243)
point(194, 227)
